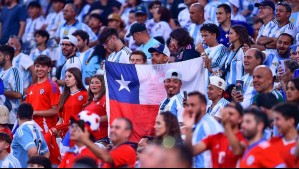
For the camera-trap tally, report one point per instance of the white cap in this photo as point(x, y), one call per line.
point(70, 38)
point(173, 73)
point(236, 3)
point(218, 82)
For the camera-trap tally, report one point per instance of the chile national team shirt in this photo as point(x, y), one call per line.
point(43, 97)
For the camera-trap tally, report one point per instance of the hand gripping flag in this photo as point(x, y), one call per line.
point(136, 91)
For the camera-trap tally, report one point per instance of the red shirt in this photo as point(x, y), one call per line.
point(261, 155)
point(123, 156)
point(222, 155)
point(73, 154)
point(43, 97)
point(99, 107)
point(286, 150)
point(73, 105)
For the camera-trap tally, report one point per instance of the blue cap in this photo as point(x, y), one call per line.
point(140, 10)
point(293, 48)
point(266, 3)
point(160, 49)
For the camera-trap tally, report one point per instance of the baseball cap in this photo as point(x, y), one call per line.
point(218, 82)
point(70, 38)
point(266, 3)
point(140, 10)
point(235, 3)
point(173, 73)
point(160, 49)
point(4, 115)
point(115, 17)
point(136, 27)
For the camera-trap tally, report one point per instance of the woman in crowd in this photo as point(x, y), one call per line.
point(183, 44)
point(167, 129)
point(96, 103)
point(162, 27)
point(73, 97)
point(233, 68)
point(293, 91)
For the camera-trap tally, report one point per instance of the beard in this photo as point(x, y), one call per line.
point(249, 134)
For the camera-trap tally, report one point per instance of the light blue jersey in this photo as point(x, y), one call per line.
point(26, 137)
point(70, 62)
point(10, 162)
point(205, 127)
point(215, 110)
point(194, 31)
point(236, 70)
point(122, 56)
point(65, 30)
point(89, 65)
point(272, 61)
point(174, 105)
point(288, 28)
point(249, 91)
point(266, 29)
point(23, 62)
point(34, 53)
point(12, 82)
point(211, 9)
point(150, 44)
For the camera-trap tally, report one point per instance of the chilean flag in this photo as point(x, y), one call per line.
point(136, 91)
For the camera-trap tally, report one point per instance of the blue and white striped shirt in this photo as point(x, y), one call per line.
point(266, 29)
point(51, 53)
point(205, 127)
point(122, 56)
point(23, 62)
point(236, 70)
point(31, 27)
point(54, 20)
point(70, 62)
point(10, 162)
point(211, 9)
point(272, 61)
point(64, 30)
point(194, 31)
point(174, 105)
point(249, 91)
point(12, 82)
point(288, 28)
point(26, 137)
point(215, 110)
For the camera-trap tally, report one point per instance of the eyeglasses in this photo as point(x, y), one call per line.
point(65, 44)
point(105, 43)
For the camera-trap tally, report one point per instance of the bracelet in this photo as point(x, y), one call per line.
point(204, 53)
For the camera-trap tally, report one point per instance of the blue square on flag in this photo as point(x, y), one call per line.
point(123, 82)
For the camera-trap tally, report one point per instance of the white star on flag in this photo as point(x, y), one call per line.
point(123, 84)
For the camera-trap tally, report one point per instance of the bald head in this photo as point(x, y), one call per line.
point(198, 6)
point(263, 79)
point(196, 11)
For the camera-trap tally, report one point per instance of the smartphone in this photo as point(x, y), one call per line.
point(239, 87)
point(282, 65)
point(185, 95)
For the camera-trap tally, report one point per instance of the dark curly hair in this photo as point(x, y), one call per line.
point(182, 36)
point(172, 127)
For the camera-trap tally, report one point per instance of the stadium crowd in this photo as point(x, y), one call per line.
point(53, 107)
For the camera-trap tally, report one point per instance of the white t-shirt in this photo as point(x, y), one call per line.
point(162, 29)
